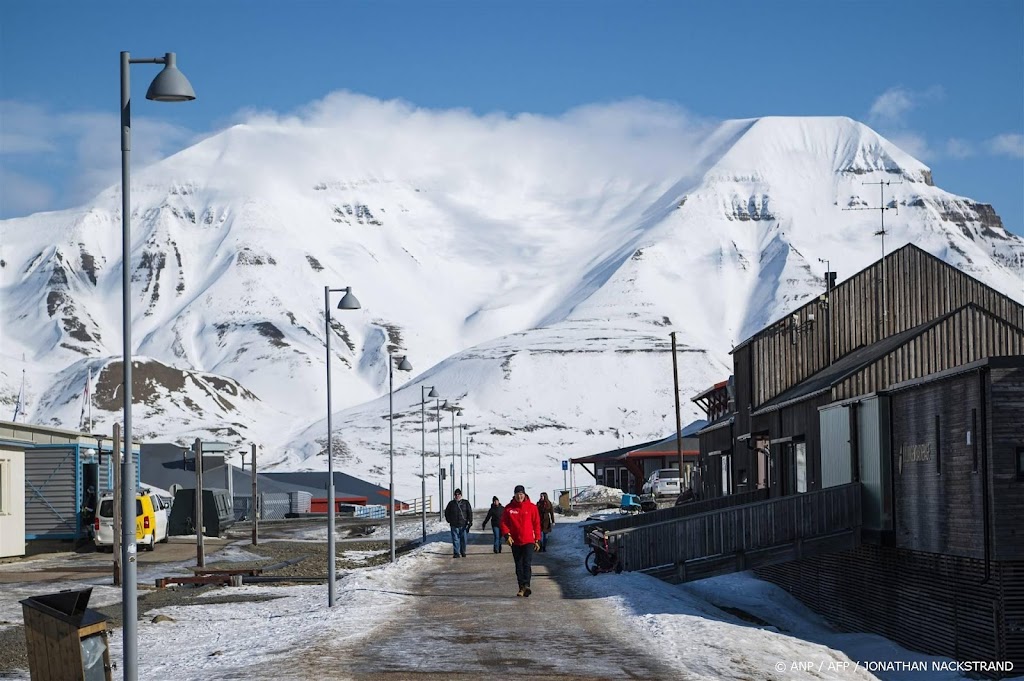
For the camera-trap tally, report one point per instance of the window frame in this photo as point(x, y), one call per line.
point(800, 465)
point(5, 485)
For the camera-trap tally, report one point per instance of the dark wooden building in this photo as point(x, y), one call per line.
point(914, 390)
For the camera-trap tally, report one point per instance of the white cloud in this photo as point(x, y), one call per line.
point(70, 156)
point(893, 105)
point(1009, 144)
point(959, 148)
point(22, 195)
point(913, 143)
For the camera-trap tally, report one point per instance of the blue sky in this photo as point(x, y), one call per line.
point(944, 80)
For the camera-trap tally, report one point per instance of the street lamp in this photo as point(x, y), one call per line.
point(462, 460)
point(453, 408)
point(348, 302)
point(473, 476)
point(170, 85)
point(423, 454)
point(440, 465)
point(403, 365)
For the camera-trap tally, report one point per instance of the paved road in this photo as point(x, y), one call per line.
point(467, 622)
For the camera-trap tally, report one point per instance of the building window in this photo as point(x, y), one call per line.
point(727, 474)
point(800, 452)
point(1020, 463)
point(5, 485)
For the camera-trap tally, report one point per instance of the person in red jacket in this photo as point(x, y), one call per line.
point(520, 525)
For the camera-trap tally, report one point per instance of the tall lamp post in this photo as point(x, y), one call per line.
point(453, 408)
point(348, 302)
point(462, 458)
point(170, 85)
point(472, 459)
point(440, 463)
point(423, 453)
point(403, 365)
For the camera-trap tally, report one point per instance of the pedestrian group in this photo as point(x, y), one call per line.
point(521, 524)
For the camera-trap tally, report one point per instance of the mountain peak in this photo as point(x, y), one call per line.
point(819, 144)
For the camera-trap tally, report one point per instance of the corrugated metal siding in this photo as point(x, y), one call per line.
point(52, 491)
point(874, 461)
point(836, 468)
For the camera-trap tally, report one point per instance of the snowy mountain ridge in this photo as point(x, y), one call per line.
point(531, 274)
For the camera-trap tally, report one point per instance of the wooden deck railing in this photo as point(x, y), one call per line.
point(674, 512)
point(738, 530)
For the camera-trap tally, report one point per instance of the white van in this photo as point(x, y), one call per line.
point(151, 511)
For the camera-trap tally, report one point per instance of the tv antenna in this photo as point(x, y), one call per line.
point(881, 208)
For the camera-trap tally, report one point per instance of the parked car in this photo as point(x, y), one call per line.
point(663, 482)
point(151, 514)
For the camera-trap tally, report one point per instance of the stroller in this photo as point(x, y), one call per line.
point(630, 503)
point(602, 557)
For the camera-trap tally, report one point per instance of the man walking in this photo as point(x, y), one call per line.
point(459, 515)
point(494, 514)
point(520, 525)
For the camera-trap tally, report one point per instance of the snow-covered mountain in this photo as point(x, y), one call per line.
point(530, 275)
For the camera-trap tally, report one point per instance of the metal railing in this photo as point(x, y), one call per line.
point(733, 530)
point(415, 506)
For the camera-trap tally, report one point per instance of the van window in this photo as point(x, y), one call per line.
point(138, 507)
point(107, 508)
point(666, 473)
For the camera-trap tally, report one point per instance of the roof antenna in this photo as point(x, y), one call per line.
point(881, 208)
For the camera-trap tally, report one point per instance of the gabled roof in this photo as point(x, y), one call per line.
point(860, 358)
point(889, 256)
point(612, 454)
point(315, 482)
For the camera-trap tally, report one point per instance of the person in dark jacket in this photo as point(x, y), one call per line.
point(547, 518)
point(459, 515)
point(520, 525)
point(494, 517)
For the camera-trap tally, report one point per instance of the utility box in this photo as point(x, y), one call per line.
point(563, 500)
point(65, 640)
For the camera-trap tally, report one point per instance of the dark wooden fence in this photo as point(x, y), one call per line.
point(682, 511)
point(734, 538)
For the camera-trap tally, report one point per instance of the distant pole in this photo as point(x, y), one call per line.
point(255, 507)
point(679, 423)
point(440, 464)
point(391, 457)
point(423, 454)
point(462, 459)
point(116, 455)
point(453, 454)
point(473, 478)
point(200, 555)
point(423, 462)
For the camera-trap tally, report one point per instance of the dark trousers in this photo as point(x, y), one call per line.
point(523, 555)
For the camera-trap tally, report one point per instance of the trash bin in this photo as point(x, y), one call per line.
point(66, 640)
